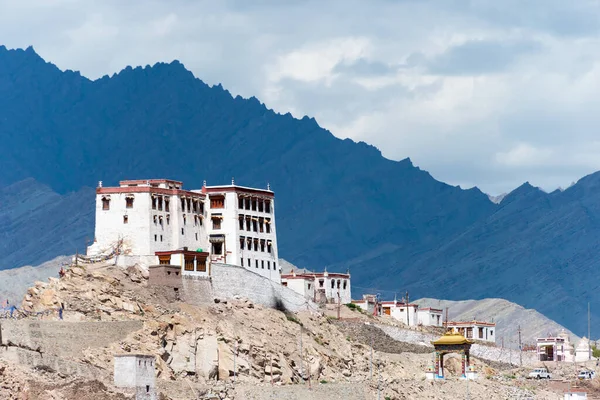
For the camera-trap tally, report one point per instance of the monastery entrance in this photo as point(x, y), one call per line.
point(451, 343)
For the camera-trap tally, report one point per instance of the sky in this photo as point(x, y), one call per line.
point(478, 93)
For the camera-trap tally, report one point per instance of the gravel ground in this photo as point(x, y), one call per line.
point(362, 333)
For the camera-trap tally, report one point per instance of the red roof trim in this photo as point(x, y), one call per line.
point(317, 275)
point(184, 252)
point(147, 189)
point(398, 304)
point(308, 278)
point(469, 323)
point(146, 181)
point(431, 309)
point(236, 189)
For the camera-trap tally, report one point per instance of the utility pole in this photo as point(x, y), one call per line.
point(407, 307)
point(371, 362)
point(589, 335)
point(234, 359)
point(446, 323)
point(378, 379)
point(301, 355)
point(339, 305)
point(520, 347)
point(271, 369)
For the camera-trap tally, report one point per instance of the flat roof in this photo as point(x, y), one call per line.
point(313, 275)
point(469, 323)
point(149, 181)
point(237, 188)
point(431, 309)
point(180, 251)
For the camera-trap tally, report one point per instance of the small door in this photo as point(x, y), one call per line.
point(387, 311)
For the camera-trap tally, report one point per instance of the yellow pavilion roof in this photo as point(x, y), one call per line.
point(452, 338)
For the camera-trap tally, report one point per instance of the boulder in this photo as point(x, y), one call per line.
point(207, 357)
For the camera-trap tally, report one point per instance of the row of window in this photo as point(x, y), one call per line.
point(191, 205)
point(256, 244)
point(158, 220)
point(333, 283)
point(254, 204)
point(256, 264)
point(156, 237)
point(254, 224)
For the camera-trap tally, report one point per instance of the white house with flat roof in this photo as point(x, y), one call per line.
point(320, 287)
point(429, 316)
point(474, 330)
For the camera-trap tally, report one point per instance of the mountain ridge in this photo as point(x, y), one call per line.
point(339, 203)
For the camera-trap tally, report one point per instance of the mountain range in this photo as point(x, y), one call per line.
point(340, 204)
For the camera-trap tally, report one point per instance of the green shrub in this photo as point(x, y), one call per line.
point(323, 381)
point(292, 318)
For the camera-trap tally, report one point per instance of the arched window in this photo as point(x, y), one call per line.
point(106, 202)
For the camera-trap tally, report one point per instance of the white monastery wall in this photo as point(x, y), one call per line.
point(249, 257)
point(229, 281)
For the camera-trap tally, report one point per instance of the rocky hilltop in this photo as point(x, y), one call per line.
point(229, 349)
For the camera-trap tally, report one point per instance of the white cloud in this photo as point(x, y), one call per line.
point(524, 154)
point(476, 92)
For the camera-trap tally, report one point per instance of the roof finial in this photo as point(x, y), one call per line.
point(268, 186)
point(99, 183)
point(204, 183)
point(232, 181)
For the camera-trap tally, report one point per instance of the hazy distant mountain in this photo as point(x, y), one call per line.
point(16, 281)
point(339, 204)
point(37, 224)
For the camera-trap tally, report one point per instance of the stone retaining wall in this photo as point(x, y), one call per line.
point(50, 363)
point(63, 338)
point(229, 281)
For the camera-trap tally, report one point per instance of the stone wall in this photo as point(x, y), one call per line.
point(165, 275)
point(196, 290)
point(229, 281)
point(49, 363)
point(63, 338)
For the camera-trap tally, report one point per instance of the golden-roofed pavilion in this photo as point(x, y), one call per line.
point(451, 343)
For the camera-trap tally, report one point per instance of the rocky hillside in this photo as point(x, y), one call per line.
point(507, 316)
point(275, 353)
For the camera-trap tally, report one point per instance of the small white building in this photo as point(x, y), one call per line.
point(368, 303)
point(325, 287)
point(136, 371)
point(193, 263)
point(576, 394)
point(406, 313)
point(555, 348)
point(583, 351)
point(474, 330)
point(429, 317)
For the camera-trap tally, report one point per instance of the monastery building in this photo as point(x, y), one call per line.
point(157, 220)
